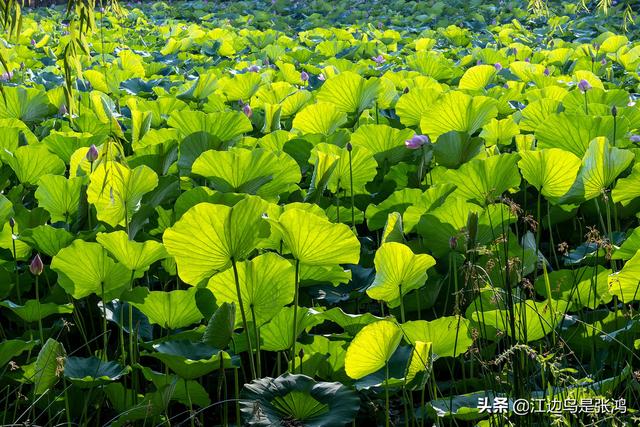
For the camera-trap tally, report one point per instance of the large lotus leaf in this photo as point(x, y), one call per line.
point(477, 78)
point(325, 164)
point(386, 143)
point(186, 392)
point(601, 165)
point(454, 148)
point(171, 310)
point(585, 287)
point(399, 202)
point(30, 162)
point(433, 64)
point(398, 271)
point(450, 336)
point(351, 323)
point(47, 239)
point(133, 255)
point(12, 348)
point(223, 126)
point(116, 191)
point(34, 310)
point(363, 168)
point(574, 101)
point(240, 87)
point(256, 171)
point(196, 195)
point(84, 268)
point(626, 282)
point(91, 371)
point(372, 348)
point(48, 365)
point(628, 188)
point(277, 335)
point(220, 327)
point(393, 230)
point(208, 237)
point(412, 105)
point(433, 197)
point(267, 283)
point(458, 111)
point(321, 118)
point(190, 360)
point(462, 407)
point(533, 320)
point(60, 196)
point(421, 361)
point(551, 171)
point(534, 115)
point(313, 240)
point(499, 132)
point(203, 86)
point(348, 91)
point(298, 399)
point(27, 104)
point(64, 144)
point(573, 132)
point(8, 240)
point(481, 181)
point(630, 246)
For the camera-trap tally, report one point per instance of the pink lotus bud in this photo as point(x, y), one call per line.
point(348, 146)
point(417, 141)
point(547, 72)
point(378, 60)
point(92, 153)
point(634, 138)
point(253, 69)
point(33, 42)
point(321, 77)
point(304, 76)
point(584, 85)
point(246, 109)
point(498, 66)
point(62, 110)
point(36, 267)
point(453, 243)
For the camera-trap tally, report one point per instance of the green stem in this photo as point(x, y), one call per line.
point(191, 416)
point(39, 312)
point(386, 394)
point(401, 303)
point(237, 396)
point(257, 337)
point(244, 318)
point(105, 337)
point(353, 205)
point(295, 318)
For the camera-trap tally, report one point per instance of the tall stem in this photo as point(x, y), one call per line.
point(386, 394)
point(39, 312)
point(244, 319)
point(401, 303)
point(295, 319)
point(255, 333)
point(105, 337)
point(353, 205)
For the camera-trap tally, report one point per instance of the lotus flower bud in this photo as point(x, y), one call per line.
point(62, 110)
point(301, 353)
point(604, 61)
point(634, 138)
point(584, 85)
point(416, 141)
point(406, 90)
point(614, 111)
point(12, 222)
point(92, 153)
point(246, 109)
point(33, 42)
point(498, 66)
point(479, 62)
point(527, 59)
point(378, 59)
point(304, 76)
point(36, 267)
point(547, 72)
point(253, 69)
point(348, 146)
point(453, 243)
point(321, 77)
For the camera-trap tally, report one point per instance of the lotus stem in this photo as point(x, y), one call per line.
point(191, 415)
point(257, 337)
point(295, 318)
point(39, 312)
point(401, 303)
point(105, 337)
point(353, 204)
point(244, 318)
point(387, 416)
point(586, 103)
point(236, 387)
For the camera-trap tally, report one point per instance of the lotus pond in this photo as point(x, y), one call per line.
point(311, 213)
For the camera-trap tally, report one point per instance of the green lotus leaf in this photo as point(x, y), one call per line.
point(420, 362)
point(117, 311)
point(457, 111)
point(135, 256)
point(13, 132)
point(412, 105)
point(452, 149)
point(13, 348)
point(34, 310)
point(30, 162)
point(433, 64)
point(196, 195)
point(399, 202)
point(84, 268)
point(433, 197)
point(628, 188)
point(574, 133)
point(372, 348)
point(220, 327)
point(476, 78)
point(450, 336)
point(49, 363)
point(630, 246)
point(267, 284)
point(91, 371)
point(116, 191)
point(499, 132)
point(321, 118)
point(326, 163)
point(186, 392)
point(600, 167)
point(351, 323)
point(27, 104)
point(534, 115)
point(482, 181)
point(349, 92)
point(241, 87)
point(363, 168)
point(6, 209)
point(624, 283)
point(277, 335)
point(47, 239)
point(8, 240)
point(208, 237)
point(313, 240)
point(386, 143)
point(190, 360)
point(393, 230)
point(171, 310)
point(256, 171)
point(551, 171)
point(298, 399)
point(461, 407)
point(222, 126)
point(574, 101)
point(64, 144)
point(585, 287)
point(60, 196)
point(398, 272)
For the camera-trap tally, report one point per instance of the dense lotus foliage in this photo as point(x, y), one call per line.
point(312, 213)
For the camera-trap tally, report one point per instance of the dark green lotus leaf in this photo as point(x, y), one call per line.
point(13, 348)
point(34, 310)
point(190, 360)
point(91, 371)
